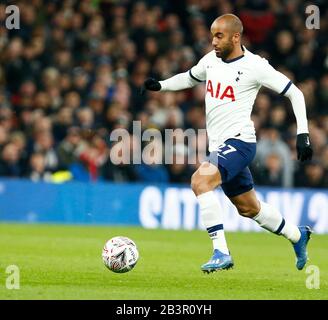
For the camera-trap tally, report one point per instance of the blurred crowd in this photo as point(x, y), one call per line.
point(72, 72)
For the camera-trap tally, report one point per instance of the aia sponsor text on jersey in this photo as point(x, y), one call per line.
point(220, 93)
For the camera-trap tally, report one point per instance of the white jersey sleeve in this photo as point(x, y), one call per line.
point(269, 77)
point(275, 80)
point(198, 72)
point(178, 82)
point(185, 80)
point(296, 98)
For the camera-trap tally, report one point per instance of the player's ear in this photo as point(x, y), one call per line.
point(236, 37)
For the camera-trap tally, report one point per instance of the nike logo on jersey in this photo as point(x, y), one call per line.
point(227, 92)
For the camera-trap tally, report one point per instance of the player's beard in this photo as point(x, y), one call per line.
point(225, 51)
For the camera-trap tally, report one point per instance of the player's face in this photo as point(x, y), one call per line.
point(222, 41)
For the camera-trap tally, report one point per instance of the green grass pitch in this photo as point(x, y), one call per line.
point(64, 262)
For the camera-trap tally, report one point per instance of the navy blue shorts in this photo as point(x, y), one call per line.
point(232, 159)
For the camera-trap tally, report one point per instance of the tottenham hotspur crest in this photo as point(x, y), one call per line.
point(239, 74)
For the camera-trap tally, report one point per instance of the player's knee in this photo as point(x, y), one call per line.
point(200, 184)
point(249, 210)
point(195, 183)
point(205, 179)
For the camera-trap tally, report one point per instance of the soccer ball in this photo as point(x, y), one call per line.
point(120, 254)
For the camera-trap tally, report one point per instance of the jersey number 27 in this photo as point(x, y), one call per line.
point(224, 149)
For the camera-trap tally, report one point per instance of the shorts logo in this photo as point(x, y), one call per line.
point(222, 156)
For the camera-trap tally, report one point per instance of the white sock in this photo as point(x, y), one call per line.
point(212, 217)
point(270, 219)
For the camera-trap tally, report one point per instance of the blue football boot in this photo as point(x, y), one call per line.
point(219, 261)
point(300, 247)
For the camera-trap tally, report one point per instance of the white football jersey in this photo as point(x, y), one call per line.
point(231, 88)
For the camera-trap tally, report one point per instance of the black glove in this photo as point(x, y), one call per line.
point(150, 84)
point(303, 147)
